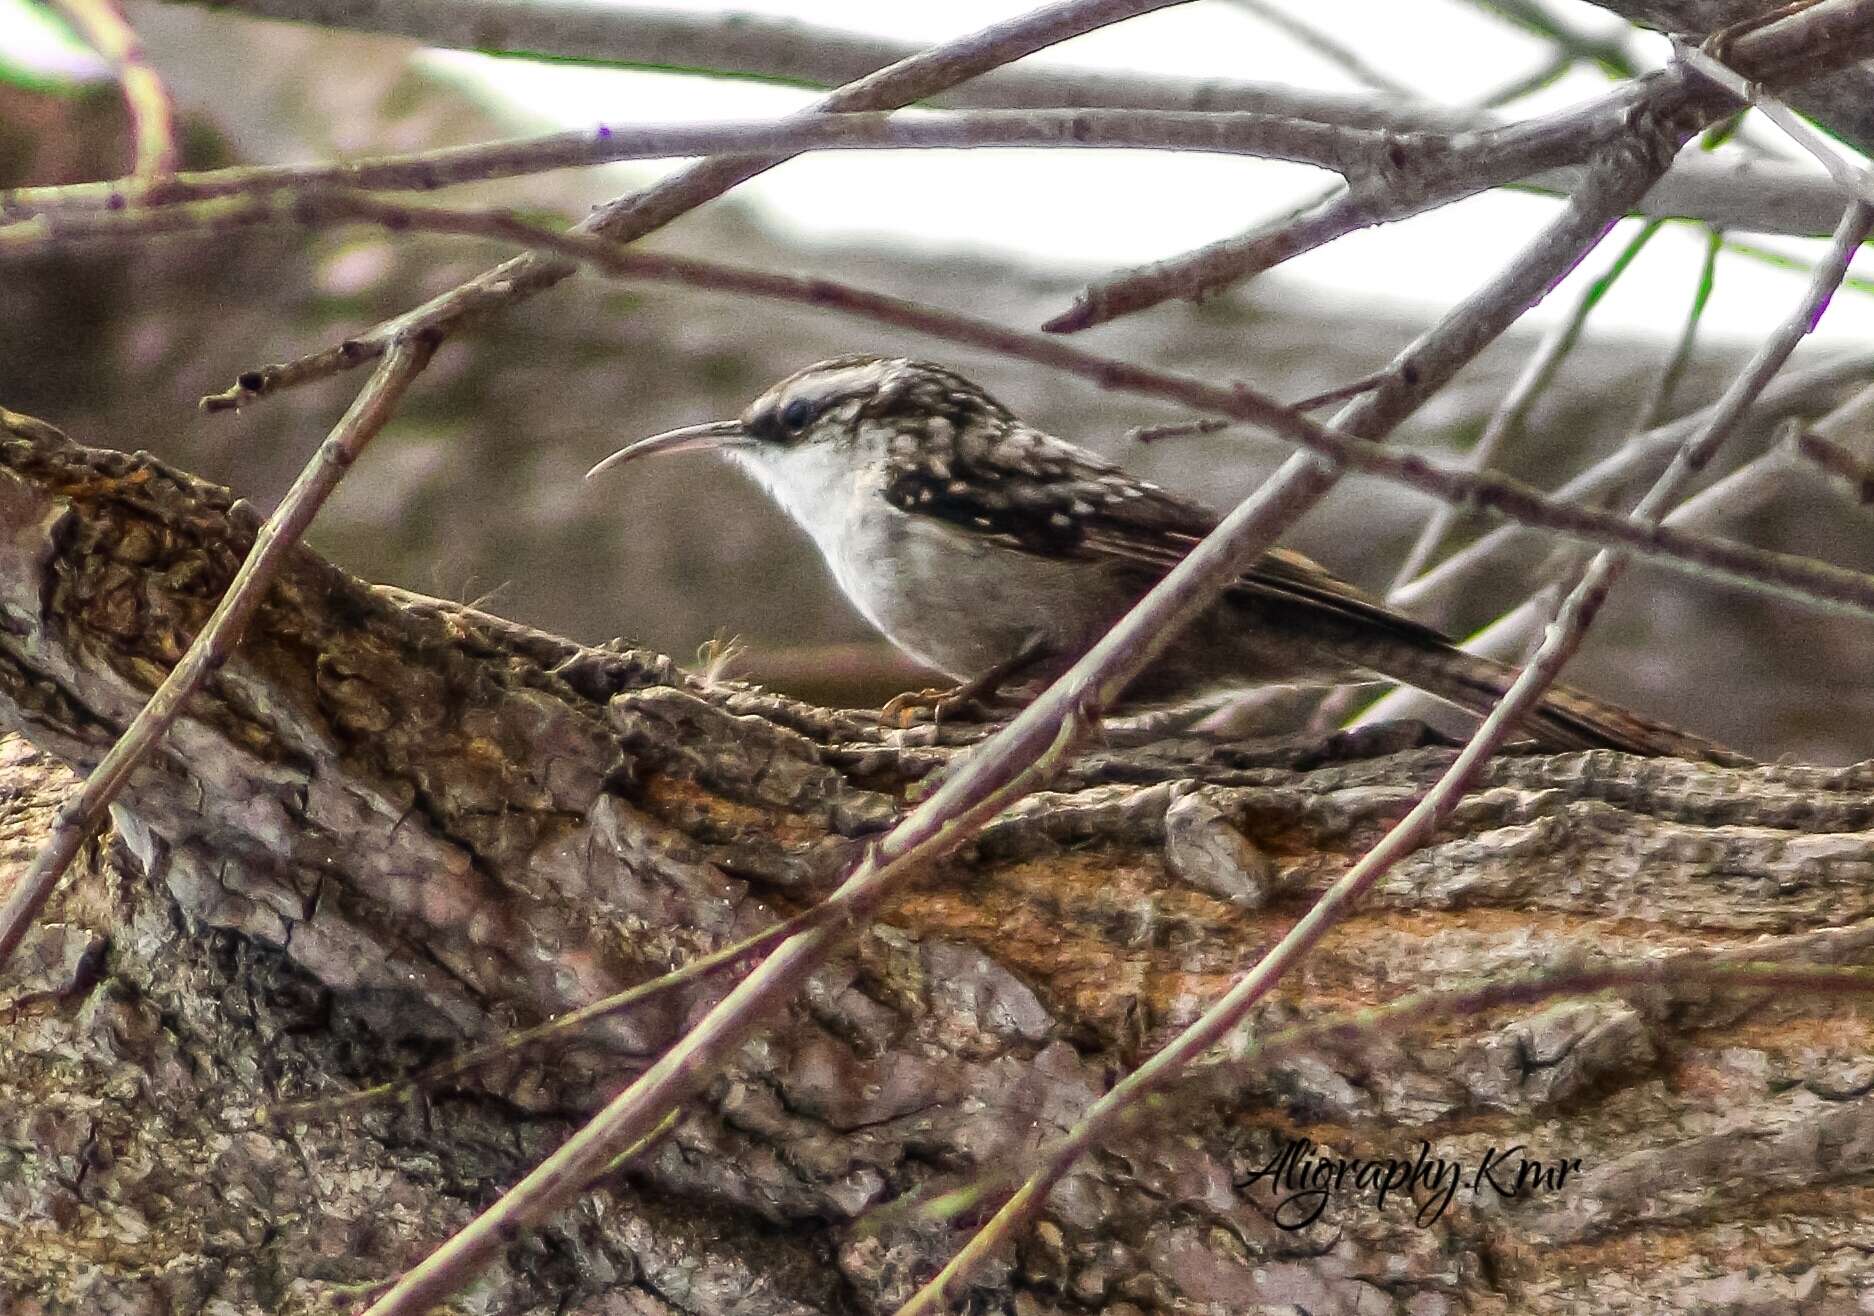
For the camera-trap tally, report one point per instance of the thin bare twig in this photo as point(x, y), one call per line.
point(1211, 424)
point(1852, 178)
point(1557, 140)
point(631, 217)
point(1537, 373)
point(1784, 575)
point(1334, 51)
point(1342, 392)
point(1752, 487)
point(1836, 461)
point(1841, 447)
point(1645, 455)
point(1177, 429)
point(1297, 141)
point(79, 816)
point(152, 111)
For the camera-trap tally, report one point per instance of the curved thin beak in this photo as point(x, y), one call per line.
point(713, 435)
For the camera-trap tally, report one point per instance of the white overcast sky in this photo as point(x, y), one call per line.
point(1093, 208)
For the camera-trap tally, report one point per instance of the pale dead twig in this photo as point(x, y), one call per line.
point(1195, 274)
point(628, 218)
point(1537, 374)
point(1297, 141)
point(1785, 575)
point(1794, 394)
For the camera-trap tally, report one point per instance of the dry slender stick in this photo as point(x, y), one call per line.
point(152, 112)
point(1840, 464)
point(1564, 637)
point(1750, 487)
point(1329, 48)
point(1797, 392)
point(79, 816)
point(1197, 273)
point(1537, 373)
point(1852, 178)
point(1341, 392)
point(1297, 141)
point(631, 217)
point(1211, 424)
point(1784, 575)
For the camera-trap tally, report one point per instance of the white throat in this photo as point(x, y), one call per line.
point(820, 487)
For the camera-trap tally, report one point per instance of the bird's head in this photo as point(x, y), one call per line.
point(850, 410)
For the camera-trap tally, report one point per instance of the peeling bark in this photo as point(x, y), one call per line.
point(393, 827)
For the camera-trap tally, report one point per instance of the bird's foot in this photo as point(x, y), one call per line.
point(959, 703)
point(973, 701)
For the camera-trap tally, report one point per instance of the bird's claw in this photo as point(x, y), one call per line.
point(937, 705)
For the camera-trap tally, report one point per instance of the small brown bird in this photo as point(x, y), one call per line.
point(988, 550)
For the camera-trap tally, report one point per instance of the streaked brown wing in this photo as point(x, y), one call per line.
point(1279, 576)
point(1041, 495)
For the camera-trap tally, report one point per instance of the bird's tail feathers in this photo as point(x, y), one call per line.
point(1566, 718)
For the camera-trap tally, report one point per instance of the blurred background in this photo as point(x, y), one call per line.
point(475, 492)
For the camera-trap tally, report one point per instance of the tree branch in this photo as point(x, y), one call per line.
point(1767, 54)
point(1300, 141)
point(1786, 576)
point(628, 218)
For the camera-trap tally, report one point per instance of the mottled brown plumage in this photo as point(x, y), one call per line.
point(968, 536)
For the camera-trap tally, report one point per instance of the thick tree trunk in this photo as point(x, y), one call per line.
point(394, 827)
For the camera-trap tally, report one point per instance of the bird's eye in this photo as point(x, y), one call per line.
point(796, 414)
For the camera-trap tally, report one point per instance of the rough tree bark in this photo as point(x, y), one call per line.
point(395, 826)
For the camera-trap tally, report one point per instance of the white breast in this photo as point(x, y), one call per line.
point(952, 600)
